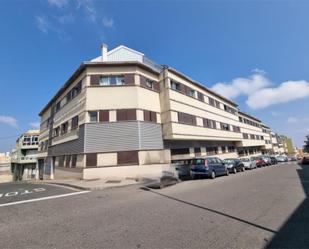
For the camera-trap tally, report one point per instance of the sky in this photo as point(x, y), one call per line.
point(254, 52)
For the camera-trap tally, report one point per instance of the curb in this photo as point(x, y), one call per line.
point(59, 184)
point(83, 188)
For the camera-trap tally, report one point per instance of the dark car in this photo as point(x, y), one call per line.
point(208, 166)
point(183, 168)
point(259, 161)
point(199, 167)
point(233, 165)
point(273, 160)
point(305, 160)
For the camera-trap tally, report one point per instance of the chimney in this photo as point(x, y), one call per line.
point(104, 48)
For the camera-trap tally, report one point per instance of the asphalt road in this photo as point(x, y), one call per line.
point(267, 207)
point(21, 191)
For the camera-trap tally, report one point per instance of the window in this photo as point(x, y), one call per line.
point(223, 148)
point(64, 128)
point(200, 96)
point(181, 151)
point(67, 161)
point(186, 118)
point(236, 128)
point(127, 157)
point(112, 80)
point(245, 135)
point(198, 161)
point(252, 136)
point(197, 151)
point(77, 89)
point(56, 132)
point(231, 149)
point(126, 114)
point(175, 85)
point(74, 160)
point(93, 115)
point(225, 127)
point(209, 123)
point(150, 83)
point(212, 150)
point(74, 123)
point(91, 160)
point(217, 103)
point(229, 109)
point(150, 116)
point(191, 92)
point(104, 116)
point(63, 102)
point(211, 101)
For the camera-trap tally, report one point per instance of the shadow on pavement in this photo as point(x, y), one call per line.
point(295, 232)
point(210, 210)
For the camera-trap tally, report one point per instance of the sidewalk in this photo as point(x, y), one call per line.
point(96, 184)
point(5, 177)
point(99, 184)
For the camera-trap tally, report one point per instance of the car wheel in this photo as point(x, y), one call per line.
point(213, 175)
point(234, 170)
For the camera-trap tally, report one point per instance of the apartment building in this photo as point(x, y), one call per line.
point(121, 113)
point(24, 156)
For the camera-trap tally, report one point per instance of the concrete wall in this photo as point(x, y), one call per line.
point(145, 171)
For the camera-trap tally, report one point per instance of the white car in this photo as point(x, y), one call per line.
point(249, 163)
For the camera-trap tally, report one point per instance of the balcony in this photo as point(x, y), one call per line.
point(25, 159)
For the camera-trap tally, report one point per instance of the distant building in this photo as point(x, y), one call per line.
point(24, 156)
point(287, 145)
point(5, 161)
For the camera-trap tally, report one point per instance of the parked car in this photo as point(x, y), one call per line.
point(259, 161)
point(273, 160)
point(292, 158)
point(281, 159)
point(305, 160)
point(209, 167)
point(234, 165)
point(249, 163)
point(183, 168)
point(199, 167)
point(267, 160)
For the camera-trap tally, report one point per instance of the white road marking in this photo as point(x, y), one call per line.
point(42, 198)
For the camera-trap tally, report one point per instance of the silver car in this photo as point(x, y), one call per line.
point(249, 163)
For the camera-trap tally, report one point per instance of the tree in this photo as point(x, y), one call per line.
point(306, 146)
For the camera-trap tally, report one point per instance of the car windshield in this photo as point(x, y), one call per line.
point(228, 161)
point(245, 159)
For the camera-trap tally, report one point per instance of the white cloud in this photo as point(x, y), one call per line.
point(292, 120)
point(64, 19)
point(296, 120)
point(7, 120)
point(58, 3)
point(35, 125)
point(42, 23)
point(89, 8)
point(259, 92)
point(275, 114)
point(108, 22)
point(242, 86)
point(285, 92)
